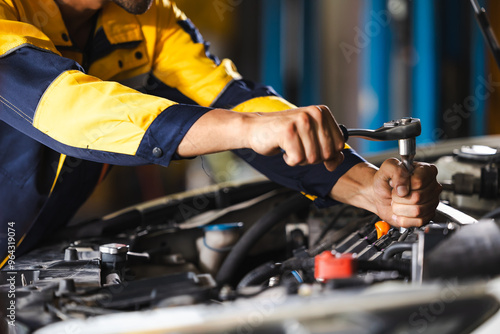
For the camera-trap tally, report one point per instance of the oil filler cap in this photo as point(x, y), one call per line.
point(382, 228)
point(331, 266)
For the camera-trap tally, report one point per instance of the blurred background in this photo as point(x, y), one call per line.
point(370, 61)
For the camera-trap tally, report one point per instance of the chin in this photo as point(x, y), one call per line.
point(134, 6)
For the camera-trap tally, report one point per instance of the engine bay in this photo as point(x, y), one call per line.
point(258, 258)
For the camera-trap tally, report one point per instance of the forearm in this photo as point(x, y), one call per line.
point(217, 130)
point(355, 187)
point(308, 135)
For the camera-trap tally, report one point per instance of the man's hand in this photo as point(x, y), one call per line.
point(406, 200)
point(401, 199)
point(306, 135)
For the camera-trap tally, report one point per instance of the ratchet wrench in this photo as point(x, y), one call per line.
point(404, 130)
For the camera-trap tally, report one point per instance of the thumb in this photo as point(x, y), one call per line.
point(393, 171)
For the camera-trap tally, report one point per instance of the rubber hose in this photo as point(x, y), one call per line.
point(396, 249)
point(226, 272)
point(402, 267)
point(294, 263)
point(260, 274)
point(267, 270)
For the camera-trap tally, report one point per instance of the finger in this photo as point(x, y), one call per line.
point(292, 145)
point(330, 137)
point(307, 132)
point(420, 196)
point(404, 221)
point(383, 183)
point(397, 176)
point(415, 210)
point(424, 175)
point(331, 165)
point(410, 222)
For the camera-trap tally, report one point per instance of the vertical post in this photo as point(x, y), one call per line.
point(424, 90)
point(271, 56)
point(374, 40)
point(309, 91)
point(478, 70)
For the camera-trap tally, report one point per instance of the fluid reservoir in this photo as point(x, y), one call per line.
point(216, 243)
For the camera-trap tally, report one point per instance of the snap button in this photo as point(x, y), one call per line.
point(138, 55)
point(157, 152)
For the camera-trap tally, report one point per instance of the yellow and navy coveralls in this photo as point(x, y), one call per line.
point(128, 99)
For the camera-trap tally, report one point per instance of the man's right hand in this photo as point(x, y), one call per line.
point(307, 135)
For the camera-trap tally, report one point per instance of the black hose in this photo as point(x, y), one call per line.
point(267, 270)
point(260, 274)
point(302, 263)
point(262, 226)
point(397, 248)
point(403, 267)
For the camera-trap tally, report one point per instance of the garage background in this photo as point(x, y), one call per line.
point(370, 61)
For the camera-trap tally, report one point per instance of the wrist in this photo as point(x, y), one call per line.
point(217, 130)
point(246, 128)
point(355, 187)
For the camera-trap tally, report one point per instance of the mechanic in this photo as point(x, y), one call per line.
point(87, 83)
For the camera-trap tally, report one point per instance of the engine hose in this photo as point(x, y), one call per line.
point(269, 269)
point(396, 249)
point(403, 267)
point(262, 226)
point(306, 263)
point(260, 274)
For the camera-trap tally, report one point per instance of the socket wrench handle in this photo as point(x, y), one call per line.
point(404, 128)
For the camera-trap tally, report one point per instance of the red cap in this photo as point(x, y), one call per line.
point(329, 266)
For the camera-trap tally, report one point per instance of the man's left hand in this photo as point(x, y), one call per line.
point(401, 199)
point(406, 200)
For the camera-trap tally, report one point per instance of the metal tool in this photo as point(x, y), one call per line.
point(404, 130)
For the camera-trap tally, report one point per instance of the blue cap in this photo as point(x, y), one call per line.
point(223, 227)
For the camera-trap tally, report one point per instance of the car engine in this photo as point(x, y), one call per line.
point(255, 257)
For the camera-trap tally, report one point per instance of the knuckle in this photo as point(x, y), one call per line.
point(293, 160)
point(339, 145)
point(303, 119)
point(290, 130)
point(390, 163)
point(433, 169)
point(417, 183)
point(305, 122)
point(312, 159)
point(417, 211)
point(315, 112)
point(327, 153)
